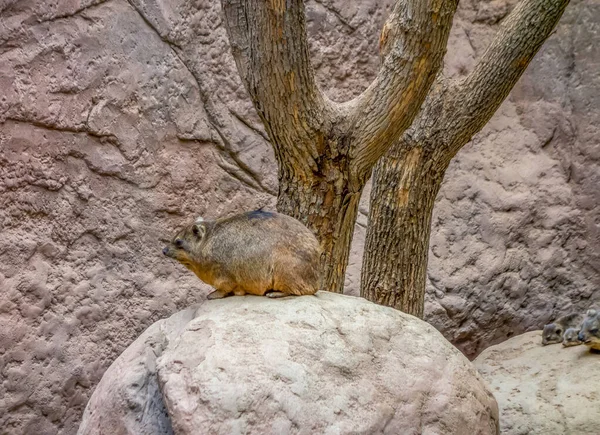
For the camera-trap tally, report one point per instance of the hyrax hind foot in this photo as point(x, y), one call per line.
point(275, 294)
point(217, 294)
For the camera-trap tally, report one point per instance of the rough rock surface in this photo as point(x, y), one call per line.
point(118, 119)
point(543, 390)
point(327, 364)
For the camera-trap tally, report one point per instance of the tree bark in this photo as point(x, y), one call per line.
point(405, 193)
point(407, 179)
point(326, 151)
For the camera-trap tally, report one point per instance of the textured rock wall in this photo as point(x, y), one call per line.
point(107, 142)
point(120, 119)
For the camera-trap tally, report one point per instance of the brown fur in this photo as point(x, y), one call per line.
point(553, 332)
point(590, 330)
point(250, 253)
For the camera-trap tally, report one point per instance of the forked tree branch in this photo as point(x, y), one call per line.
point(454, 112)
point(407, 179)
point(412, 44)
point(269, 43)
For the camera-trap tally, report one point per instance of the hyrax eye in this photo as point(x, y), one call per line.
point(594, 330)
point(179, 243)
point(195, 230)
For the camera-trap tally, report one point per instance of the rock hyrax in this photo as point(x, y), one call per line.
point(590, 330)
point(553, 332)
point(258, 253)
point(570, 337)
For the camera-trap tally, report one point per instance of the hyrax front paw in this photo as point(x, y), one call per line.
point(217, 294)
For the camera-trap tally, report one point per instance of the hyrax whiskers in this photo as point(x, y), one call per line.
point(590, 330)
point(257, 252)
point(553, 332)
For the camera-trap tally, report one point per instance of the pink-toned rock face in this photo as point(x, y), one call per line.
point(118, 120)
point(323, 364)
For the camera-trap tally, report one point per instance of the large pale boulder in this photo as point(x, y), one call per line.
point(543, 390)
point(328, 364)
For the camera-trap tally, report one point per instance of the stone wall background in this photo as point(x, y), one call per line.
point(119, 120)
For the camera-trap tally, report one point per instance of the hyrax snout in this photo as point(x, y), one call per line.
point(570, 337)
point(590, 330)
point(257, 252)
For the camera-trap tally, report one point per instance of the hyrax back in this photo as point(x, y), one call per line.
point(256, 252)
point(553, 332)
point(590, 330)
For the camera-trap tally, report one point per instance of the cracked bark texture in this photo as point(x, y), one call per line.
point(119, 120)
point(325, 150)
point(408, 178)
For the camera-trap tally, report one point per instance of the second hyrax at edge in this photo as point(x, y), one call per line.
point(257, 252)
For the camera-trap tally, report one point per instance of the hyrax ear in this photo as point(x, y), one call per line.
point(199, 229)
point(591, 312)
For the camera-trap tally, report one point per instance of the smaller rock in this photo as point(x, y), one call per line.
point(543, 389)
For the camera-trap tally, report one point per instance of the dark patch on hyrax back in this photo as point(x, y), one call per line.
point(260, 214)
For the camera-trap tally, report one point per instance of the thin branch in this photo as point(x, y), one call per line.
point(454, 112)
point(248, 124)
point(337, 14)
point(521, 35)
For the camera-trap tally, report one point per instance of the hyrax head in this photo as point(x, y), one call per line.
point(570, 337)
point(186, 244)
point(552, 333)
point(590, 329)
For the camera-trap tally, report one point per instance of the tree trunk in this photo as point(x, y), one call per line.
point(326, 151)
point(407, 180)
point(397, 244)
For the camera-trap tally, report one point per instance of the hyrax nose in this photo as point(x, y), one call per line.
point(165, 250)
point(580, 336)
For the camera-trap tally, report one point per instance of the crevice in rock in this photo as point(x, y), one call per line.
point(224, 145)
point(74, 13)
point(66, 129)
point(336, 14)
point(247, 124)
